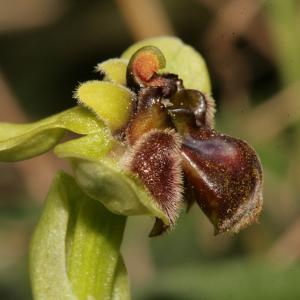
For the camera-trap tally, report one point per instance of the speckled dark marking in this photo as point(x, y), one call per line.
point(155, 161)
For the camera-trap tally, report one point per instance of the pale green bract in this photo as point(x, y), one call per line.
point(75, 248)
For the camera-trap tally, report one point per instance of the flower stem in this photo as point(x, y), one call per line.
point(93, 252)
point(75, 248)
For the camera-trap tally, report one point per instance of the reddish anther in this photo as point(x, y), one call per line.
point(143, 66)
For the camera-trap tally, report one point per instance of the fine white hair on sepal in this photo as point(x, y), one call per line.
point(100, 67)
point(113, 70)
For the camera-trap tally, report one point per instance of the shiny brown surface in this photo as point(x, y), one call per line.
point(192, 101)
point(226, 175)
point(150, 114)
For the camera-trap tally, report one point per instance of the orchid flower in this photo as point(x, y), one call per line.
point(147, 146)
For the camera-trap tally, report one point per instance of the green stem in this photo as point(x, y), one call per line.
point(94, 251)
point(75, 248)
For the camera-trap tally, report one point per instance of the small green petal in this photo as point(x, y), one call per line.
point(91, 147)
point(23, 141)
point(181, 59)
point(111, 102)
point(120, 192)
point(114, 70)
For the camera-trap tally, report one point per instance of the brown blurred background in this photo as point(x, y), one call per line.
point(252, 49)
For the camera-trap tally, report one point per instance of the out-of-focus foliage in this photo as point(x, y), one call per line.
point(231, 280)
point(252, 52)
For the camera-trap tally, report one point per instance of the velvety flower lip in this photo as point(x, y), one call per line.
point(156, 160)
point(224, 173)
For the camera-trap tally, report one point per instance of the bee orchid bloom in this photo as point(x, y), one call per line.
point(169, 139)
point(143, 144)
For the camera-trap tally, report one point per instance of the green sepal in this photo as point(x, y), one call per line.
point(181, 59)
point(75, 248)
point(91, 147)
point(23, 141)
point(119, 191)
point(114, 70)
point(111, 102)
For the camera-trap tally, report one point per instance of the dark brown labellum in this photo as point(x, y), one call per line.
point(227, 178)
point(155, 159)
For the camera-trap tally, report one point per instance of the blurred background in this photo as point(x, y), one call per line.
point(252, 49)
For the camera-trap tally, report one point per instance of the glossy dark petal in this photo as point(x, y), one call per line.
point(150, 114)
point(227, 178)
point(192, 101)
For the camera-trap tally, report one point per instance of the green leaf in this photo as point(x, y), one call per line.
point(118, 190)
point(225, 280)
point(48, 270)
point(75, 248)
point(111, 102)
point(181, 59)
point(23, 141)
point(114, 70)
